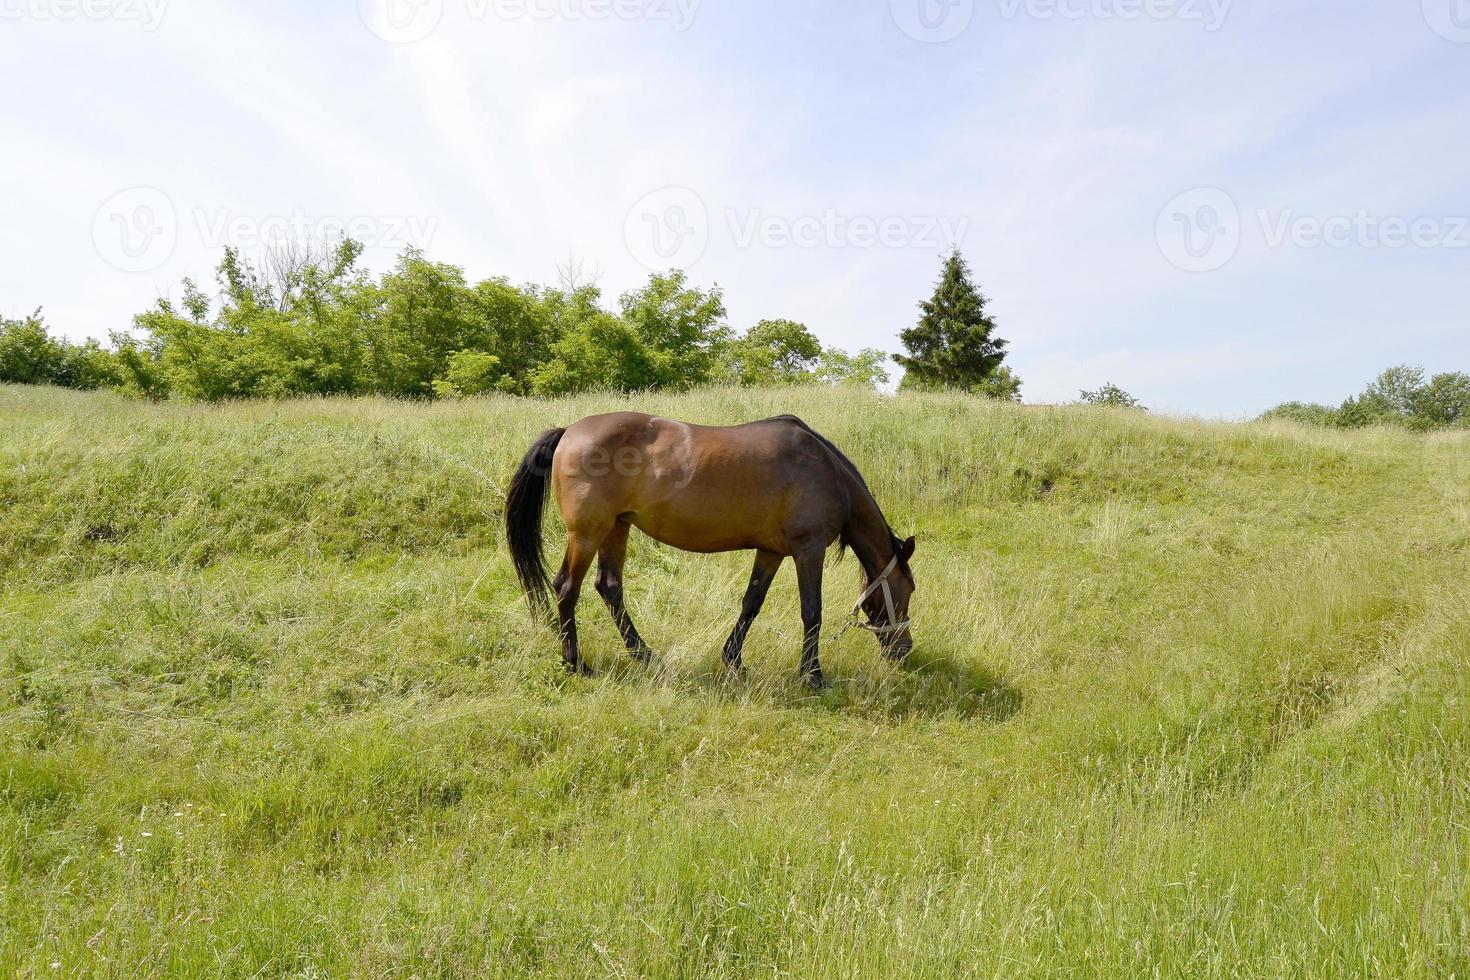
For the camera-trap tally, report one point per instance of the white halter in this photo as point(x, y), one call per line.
point(881, 582)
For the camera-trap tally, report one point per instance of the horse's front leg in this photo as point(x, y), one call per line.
point(766, 564)
point(809, 580)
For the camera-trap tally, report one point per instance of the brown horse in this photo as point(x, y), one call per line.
point(775, 487)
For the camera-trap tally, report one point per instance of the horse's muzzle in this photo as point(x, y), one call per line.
point(900, 648)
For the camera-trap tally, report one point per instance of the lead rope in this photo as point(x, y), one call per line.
point(854, 620)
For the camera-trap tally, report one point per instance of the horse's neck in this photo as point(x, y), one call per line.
point(868, 534)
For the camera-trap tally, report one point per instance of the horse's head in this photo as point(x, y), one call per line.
point(886, 602)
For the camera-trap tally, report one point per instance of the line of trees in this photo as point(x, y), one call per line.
point(307, 320)
point(1401, 396)
point(310, 321)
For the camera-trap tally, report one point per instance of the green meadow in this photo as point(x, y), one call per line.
point(1187, 699)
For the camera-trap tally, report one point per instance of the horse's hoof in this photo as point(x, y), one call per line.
point(642, 656)
point(816, 682)
point(578, 669)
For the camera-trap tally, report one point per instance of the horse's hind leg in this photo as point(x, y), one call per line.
point(581, 548)
point(610, 559)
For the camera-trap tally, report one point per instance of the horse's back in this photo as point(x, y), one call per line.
point(700, 488)
point(618, 430)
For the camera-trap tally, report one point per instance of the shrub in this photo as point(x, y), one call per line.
point(1000, 384)
point(1308, 413)
point(30, 355)
point(1445, 400)
point(1400, 397)
point(1112, 396)
point(469, 373)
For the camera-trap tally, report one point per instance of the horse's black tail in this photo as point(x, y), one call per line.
point(523, 506)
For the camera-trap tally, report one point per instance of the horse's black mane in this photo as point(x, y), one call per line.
point(832, 448)
point(841, 457)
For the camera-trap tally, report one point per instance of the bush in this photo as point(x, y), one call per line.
point(1112, 396)
point(469, 373)
point(866, 368)
point(773, 352)
point(30, 355)
point(1445, 400)
point(1000, 384)
point(1400, 397)
point(1308, 413)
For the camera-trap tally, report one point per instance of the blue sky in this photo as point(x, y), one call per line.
point(1217, 204)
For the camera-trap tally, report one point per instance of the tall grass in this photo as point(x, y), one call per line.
point(1187, 699)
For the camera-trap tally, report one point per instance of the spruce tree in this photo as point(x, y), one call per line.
point(954, 343)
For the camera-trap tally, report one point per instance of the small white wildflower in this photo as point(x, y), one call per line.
point(147, 834)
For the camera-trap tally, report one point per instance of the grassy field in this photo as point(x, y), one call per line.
point(1188, 699)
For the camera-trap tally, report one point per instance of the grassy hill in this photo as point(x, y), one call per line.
point(1188, 699)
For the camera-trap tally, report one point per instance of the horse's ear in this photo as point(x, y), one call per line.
point(908, 549)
